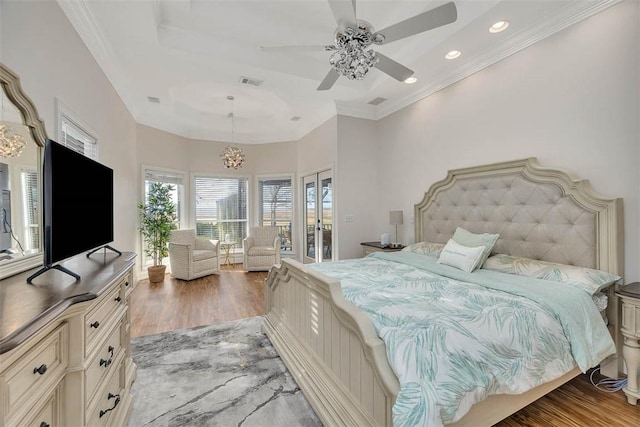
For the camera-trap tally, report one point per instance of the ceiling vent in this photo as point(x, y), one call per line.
point(295, 118)
point(154, 99)
point(250, 81)
point(377, 101)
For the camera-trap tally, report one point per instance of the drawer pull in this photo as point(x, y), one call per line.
point(110, 396)
point(95, 324)
point(40, 369)
point(43, 424)
point(106, 363)
point(117, 299)
point(126, 283)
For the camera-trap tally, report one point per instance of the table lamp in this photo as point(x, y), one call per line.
point(395, 218)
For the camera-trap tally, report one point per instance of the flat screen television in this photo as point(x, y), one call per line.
point(77, 205)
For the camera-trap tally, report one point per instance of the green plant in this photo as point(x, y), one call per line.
point(157, 219)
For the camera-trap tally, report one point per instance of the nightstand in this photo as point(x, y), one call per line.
point(630, 299)
point(369, 247)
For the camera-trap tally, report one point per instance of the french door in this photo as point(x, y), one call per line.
point(318, 217)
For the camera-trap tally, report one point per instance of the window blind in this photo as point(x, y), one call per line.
point(78, 139)
point(163, 176)
point(276, 207)
point(221, 207)
point(30, 203)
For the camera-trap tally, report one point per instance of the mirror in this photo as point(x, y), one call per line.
point(20, 179)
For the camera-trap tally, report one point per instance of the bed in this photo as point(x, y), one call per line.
point(332, 347)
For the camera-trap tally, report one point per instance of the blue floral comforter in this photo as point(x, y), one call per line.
point(455, 338)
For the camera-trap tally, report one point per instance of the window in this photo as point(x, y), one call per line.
point(30, 204)
point(167, 177)
point(74, 134)
point(276, 208)
point(174, 179)
point(221, 207)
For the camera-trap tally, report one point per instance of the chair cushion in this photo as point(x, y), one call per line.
point(264, 236)
point(261, 251)
point(199, 254)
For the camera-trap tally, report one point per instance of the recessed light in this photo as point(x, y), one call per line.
point(453, 54)
point(411, 80)
point(499, 26)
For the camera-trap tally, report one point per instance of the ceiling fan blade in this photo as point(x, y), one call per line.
point(434, 18)
point(392, 68)
point(344, 11)
point(309, 48)
point(329, 80)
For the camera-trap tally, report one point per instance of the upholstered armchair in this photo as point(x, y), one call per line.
point(261, 248)
point(192, 257)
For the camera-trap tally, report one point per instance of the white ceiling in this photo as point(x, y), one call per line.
point(191, 55)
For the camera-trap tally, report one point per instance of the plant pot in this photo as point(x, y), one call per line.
point(156, 273)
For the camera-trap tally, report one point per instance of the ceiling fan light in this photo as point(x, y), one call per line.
point(353, 62)
point(453, 54)
point(499, 26)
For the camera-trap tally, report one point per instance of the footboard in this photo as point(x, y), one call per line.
point(329, 346)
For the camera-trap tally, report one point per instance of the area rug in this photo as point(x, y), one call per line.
point(227, 374)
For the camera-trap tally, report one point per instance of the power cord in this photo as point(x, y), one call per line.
point(609, 385)
point(7, 229)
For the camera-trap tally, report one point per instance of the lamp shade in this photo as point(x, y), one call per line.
point(395, 217)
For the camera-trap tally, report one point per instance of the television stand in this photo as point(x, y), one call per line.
point(51, 267)
point(104, 247)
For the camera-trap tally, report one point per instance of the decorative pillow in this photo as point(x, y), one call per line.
point(467, 238)
point(590, 280)
point(425, 248)
point(461, 257)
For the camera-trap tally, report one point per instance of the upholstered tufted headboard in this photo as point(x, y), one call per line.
point(540, 213)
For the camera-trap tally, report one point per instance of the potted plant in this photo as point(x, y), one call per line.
point(157, 219)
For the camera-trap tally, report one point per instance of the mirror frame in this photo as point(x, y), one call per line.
point(12, 88)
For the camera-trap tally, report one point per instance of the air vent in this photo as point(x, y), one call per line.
point(295, 118)
point(250, 81)
point(377, 101)
point(153, 99)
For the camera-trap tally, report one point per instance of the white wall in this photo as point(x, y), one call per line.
point(571, 100)
point(356, 191)
point(39, 44)
point(318, 149)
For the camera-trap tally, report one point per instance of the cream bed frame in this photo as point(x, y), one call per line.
point(331, 347)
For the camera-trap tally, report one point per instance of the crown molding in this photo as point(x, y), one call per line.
point(364, 112)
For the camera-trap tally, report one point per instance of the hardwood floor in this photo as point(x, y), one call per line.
point(235, 294)
point(177, 304)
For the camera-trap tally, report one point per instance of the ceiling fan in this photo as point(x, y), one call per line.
point(353, 36)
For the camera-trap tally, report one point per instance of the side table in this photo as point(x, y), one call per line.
point(630, 299)
point(369, 247)
point(227, 251)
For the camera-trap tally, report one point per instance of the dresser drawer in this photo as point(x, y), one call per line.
point(127, 283)
point(50, 414)
point(103, 362)
point(37, 371)
point(99, 317)
point(108, 399)
point(630, 318)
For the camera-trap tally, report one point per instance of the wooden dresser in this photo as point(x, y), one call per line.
point(65, 357)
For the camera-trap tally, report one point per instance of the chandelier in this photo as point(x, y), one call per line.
point(352, 60)
point(232, 157)
point(11, 143)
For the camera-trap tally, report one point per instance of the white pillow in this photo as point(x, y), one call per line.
point(464, 258)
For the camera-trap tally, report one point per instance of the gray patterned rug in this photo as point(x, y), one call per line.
point(226, 374)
